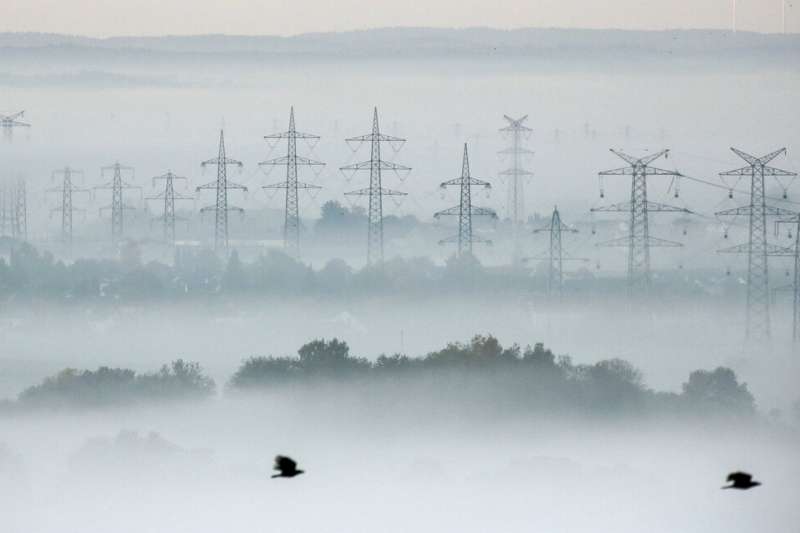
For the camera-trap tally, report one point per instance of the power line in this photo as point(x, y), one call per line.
point(118, 207)
point(169, 196)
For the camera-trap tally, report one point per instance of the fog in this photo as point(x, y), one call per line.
point(631, 423)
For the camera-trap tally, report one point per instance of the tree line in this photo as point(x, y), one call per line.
point(480, 372)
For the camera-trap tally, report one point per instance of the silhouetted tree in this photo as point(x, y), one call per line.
point(718, 390)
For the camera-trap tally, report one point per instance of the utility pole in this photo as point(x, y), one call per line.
point(465, 210)
point(375, 191)
point(757, 248)
point(67, 189)
point(291, 222)
point(638, 241)
point(117, 186)
point(221, 186)
point(555, 257)
point(9, 122)
point(169, 196)
point(517, 174)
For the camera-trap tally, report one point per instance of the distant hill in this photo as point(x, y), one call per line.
point(429, 41)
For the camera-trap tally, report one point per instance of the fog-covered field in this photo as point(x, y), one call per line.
point(398, 453)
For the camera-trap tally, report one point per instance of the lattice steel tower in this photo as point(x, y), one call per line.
point(221, 186)
point(375, 191)
point(638, 241)
point(555, 257)
point(169, 196)
point(67, 209)
point(465, 210)
point(795, 287)
point(291, 223)
point(517, 174)
point(117, 186)
point(757, 248)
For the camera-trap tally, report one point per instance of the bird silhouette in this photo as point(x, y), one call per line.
point(286, 467)
point(741, 481)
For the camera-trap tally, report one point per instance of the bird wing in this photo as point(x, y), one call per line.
point(739, 476)
point(285, 464)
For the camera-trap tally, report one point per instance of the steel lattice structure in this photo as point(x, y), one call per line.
point(9, 122)
point(13, 209)
point(638, 241)
point(169, 196)
point(517, 174)
point(67, 209)
point(291, 223)
point(757, 248)
point(118, 207)
point(221, 186)
point(465, 210)
point(375, 191)
point(556, 257)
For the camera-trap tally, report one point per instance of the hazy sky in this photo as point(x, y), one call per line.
point(286, 17)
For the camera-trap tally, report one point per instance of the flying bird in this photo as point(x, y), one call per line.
point(741, 481)
point(286, 466)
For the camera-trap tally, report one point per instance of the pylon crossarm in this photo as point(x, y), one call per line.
point(380, 137)
point(770, 171)
point(454, 211)
point(655, 171)
point(625, 157)
point(382, 191)
point(652, 157)
point(286, 185)
point(624, 171)
point(467, 181)
point(368, 165)
point(656, 207)
point(225, 161)
point(622, 207)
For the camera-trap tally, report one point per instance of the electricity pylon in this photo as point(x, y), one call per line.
point(221, 186)
point(757, 248)
point(465, 210)
point(556, 257)
point(638, 241)
point(118, 207)
point(169, 196)
point(291, 221)
point(67, 189)
point(9, 122)
point(375, 191)
point(516, 190)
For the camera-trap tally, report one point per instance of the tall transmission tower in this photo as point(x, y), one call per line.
point(67, 209)
point(638, 241)
point(375, 191)
point(465, 210)
point(291, 223)
point(757, 248)
point(221, 186)
point(169, 196)
point(556, 257)
point(518, 132)
point(19, 219)
point(118, 207)
point(9, 122)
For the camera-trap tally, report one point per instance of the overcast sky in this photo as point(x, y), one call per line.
point(287, 17)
